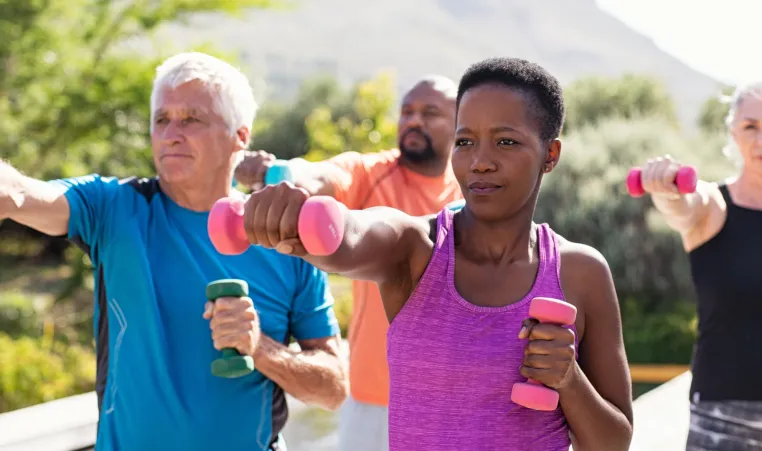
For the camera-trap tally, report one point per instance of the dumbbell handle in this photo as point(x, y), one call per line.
point(685, 180)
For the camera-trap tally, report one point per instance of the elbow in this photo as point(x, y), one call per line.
point(338, 398)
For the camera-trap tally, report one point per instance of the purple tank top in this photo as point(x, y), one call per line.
point(452, 364)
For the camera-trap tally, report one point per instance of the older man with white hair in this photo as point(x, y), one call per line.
point(415, 178)
point(148, 242)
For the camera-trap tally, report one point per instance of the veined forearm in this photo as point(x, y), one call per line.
point(311, 376)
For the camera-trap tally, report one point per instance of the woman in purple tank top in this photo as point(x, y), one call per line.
point(457, 287)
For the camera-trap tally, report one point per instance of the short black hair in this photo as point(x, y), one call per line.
point(524, 76)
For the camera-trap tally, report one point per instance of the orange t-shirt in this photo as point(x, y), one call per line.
point(373, 180)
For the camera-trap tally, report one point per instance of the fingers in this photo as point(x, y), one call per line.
point(526, 327)
point(252, 169)
point(271, 216)
point(551, 332)
point(208, 310)
point(658, 175)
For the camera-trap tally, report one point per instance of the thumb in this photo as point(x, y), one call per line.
point(291, 246)
point(208, 310)
point(526, 327)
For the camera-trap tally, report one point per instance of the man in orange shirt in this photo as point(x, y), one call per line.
point(415, 178)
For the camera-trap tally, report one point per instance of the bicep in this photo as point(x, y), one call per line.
point(602, 355)
point(43, 206)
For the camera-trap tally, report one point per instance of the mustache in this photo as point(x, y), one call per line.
point(415, 130)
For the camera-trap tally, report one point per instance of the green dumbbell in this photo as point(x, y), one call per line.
point(232, 363)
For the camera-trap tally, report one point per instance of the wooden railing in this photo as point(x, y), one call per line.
point(656, 374)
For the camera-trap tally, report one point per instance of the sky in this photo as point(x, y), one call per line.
point(720, 38)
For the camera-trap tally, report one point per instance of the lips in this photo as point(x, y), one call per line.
point(483, 187)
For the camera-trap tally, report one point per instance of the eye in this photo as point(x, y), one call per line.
point(750, 127)
point(189, 120)
point(161, 120)
point(460, 142)
point(506, 142)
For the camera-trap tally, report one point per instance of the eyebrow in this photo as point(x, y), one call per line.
point(502, 128)
point(189, 111)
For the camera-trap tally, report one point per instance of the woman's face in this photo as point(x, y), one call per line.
point(746, 129)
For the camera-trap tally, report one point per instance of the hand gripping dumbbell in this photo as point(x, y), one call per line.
point(685, 180)
point(532, 394)
point(320, 227)
point(232, 363)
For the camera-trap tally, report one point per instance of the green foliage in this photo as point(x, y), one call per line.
point(590, 100)
point(36, 370)
point(368, 127)
point(19, 316)
point(663, 336)
point(282, 129)
point(713, 112)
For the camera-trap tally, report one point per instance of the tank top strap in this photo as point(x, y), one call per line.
point(550, 257)
point(436, 270)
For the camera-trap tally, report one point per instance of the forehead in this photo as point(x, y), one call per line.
point(493, 104)
point(192, 95)
point(425, 95)
point(750, 106)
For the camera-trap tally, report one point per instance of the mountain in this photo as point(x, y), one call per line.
point(355, 39)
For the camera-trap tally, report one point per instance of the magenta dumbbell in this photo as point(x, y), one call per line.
point(685, 180)
point(320, 228)
point(532, 394)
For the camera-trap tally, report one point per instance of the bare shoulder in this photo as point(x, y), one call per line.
point(582, 262)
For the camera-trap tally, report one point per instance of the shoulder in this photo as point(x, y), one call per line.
point(371, 160)
point(578, 257)
point(582, 269)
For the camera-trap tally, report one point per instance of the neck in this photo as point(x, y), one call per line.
point(506, 241)
point(749, 187)
point(431, 168)
point(199, 197)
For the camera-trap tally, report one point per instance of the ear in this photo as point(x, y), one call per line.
point(552, 155)
point(243, 138)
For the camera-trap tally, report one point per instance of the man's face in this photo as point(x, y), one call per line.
point(190, 141)
point(426, 126)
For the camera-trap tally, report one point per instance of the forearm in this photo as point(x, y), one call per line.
point(33, 203)
point(595, 423)
point(375, 241)
point(682, 211)
point(315, 177)
point(312, 376)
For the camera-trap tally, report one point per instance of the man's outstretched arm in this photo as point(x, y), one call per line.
point(34, 203)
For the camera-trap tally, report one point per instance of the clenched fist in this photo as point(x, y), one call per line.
point(658, 176)
point(549, 357)
point(234, 324)
point(251, 171)
point(271, 218)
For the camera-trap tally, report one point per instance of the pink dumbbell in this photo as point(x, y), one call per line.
point(685, 180)
point(320, 228)
point(532, 394)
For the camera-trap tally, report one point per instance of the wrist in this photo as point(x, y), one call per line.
point(574, 380)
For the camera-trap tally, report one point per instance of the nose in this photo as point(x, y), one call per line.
point(412, 119)
point(171, 134)
point(481, 160)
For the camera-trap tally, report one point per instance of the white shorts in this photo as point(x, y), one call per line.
point(363, 427)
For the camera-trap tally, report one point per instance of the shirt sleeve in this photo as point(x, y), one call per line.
point(89, 196)
point(352, 183)
point(312, 313)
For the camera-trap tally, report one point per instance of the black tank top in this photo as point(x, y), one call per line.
point(727, 275)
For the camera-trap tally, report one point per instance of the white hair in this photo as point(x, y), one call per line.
point(741, 93)
point(440, 83)
point(234, 101)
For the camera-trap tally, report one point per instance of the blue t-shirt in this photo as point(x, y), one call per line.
point(153, 260)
